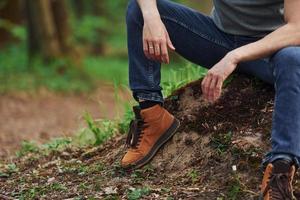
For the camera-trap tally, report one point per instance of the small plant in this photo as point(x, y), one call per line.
point(222, 142)
point(57, 143)
point(12, 168)
point(27, 147)
point(136, 194)
point(148, 168)
point(179, 77)
point(111, 197)
point(57, 187)
point(83, 186)
point(234, 190)
point(137, 176)
point(8, 170)
point(102, 130)
point(127, 117)
point(32, 193)
point(96, 168)
point(83, 169)
point(193, 175)
point(229, 80)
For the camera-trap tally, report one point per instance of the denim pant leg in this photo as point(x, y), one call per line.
point(283, 70)
point(193, 34)
point(286, 117)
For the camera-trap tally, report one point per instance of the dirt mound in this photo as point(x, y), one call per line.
point(197, 163)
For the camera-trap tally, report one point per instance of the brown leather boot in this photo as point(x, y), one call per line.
point(277, 181)
point(150, 130)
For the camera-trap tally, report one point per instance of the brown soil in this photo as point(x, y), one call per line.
point(42, 116)
point(196, 164)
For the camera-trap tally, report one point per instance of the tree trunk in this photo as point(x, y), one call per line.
point(99, 10)
point(10, 13)
point(79, 7)
point(42, 31)
point(61, 20)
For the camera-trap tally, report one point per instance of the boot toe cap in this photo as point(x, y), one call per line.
point(130, 159)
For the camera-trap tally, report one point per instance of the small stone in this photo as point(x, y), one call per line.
point(234, 168)
point(51, 180)
point(60, 171)
point(65, 155)
point(110, 190)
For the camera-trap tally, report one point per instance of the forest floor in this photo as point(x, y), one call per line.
point(197, 163)
point(45, 115)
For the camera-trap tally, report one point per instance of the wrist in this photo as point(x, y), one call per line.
point(235, 57)
point(150, 15)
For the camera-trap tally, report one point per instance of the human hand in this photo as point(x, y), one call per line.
point(213, 81)
point(156, 40)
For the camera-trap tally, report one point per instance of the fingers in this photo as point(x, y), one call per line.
point(151, 50)
point(169, 42)
point(146, 48)
point(218, 90)
point(211, 87)
point(205, 86)
point(158, 49)
point(164, 54)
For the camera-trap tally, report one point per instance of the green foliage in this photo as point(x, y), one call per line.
point(29, 194)
point(102, 129)
point(137, 176)
point(8, 170)
point(83, 186)
point(27, 147)
point(235, 189)
point(58, 75)
point(41, 190)
point(57, 187)
point(88, 29)
point(12, 168)
point(228, 80)
point(125, 121)
point(17, 31)
point(138, 193)
point(114, 70)
point(176, 78)
point(193, 175)
point(57, 143)
point(221, 142)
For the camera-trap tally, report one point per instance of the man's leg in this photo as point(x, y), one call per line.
point(196, 38)
point(193, 34)
point(283, 160)
point(286, 120)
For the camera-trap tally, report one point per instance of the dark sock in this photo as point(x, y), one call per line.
point(148, 104)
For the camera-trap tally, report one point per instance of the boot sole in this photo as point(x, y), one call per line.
point(159, 143)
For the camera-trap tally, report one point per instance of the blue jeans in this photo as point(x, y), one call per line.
point(196, 38)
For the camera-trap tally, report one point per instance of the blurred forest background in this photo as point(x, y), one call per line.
point(64, 45)
point(75, 52)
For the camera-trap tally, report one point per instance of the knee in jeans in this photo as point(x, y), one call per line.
point(287, 56)
point(133, 14)
point(286, 64)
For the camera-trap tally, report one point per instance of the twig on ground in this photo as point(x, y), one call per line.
point(4, 197)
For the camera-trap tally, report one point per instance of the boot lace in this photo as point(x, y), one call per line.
point(135, 133)
point(280, 187)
